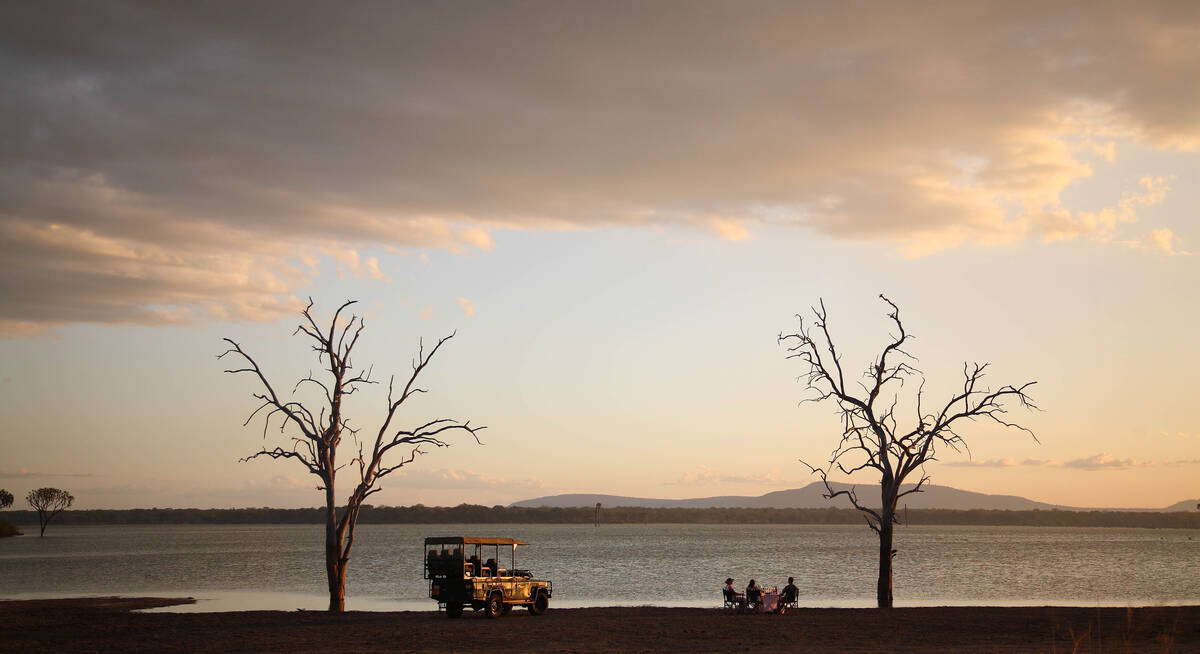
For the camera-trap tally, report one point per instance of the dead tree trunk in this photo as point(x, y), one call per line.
point(872, 438)
point(883, 589)
point(335, 572)
point(314, 436)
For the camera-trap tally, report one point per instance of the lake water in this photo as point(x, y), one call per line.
point(280, 566)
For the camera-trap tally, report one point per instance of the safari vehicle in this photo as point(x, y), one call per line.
point(464, 572)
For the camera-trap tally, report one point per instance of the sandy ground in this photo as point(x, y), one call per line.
point(109, 625)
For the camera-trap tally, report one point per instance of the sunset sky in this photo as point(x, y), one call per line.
point(619, 207)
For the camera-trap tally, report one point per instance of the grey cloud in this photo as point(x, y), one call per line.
point(168, 161)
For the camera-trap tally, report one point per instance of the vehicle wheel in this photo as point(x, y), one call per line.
point(540, 604)
point(454, 610)
point(495, 606)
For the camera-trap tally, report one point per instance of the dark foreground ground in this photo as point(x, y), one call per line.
point(108, 625)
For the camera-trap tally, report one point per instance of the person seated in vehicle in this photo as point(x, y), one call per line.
point(732, 597)
point(473, 566)
point(790, 593)
point(753, 593)
point(492, 568)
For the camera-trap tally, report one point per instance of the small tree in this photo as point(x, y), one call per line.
point(315, 432)
point(49, 502)
point(6, 529)
point(871, 437)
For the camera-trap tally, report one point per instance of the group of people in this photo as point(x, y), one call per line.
point(753, 596)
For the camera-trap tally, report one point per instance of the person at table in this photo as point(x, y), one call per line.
point(790, 592)
point(731, 595)
point(753, 593)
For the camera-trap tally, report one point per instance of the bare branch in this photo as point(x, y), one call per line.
point(322, 429)
point(872, 438)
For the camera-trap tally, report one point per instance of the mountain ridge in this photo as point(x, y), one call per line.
point(811, 497)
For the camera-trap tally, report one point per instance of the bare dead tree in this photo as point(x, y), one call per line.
point(315, 434)
point(871, 436)
point(49, 502)
point(6, 499)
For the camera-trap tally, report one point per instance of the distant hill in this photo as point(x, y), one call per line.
point(932, 497)
point(1186, 505)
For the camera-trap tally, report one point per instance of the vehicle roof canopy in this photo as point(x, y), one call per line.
point(468, 540)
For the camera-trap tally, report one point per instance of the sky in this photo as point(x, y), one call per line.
point(617, 208)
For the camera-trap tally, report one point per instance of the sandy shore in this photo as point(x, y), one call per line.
point(109, 625)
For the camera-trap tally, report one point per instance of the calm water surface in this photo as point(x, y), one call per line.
point(280, 566)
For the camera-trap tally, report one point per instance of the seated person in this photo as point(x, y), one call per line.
point(732, 597)
point(790, 592)
point(492, 568)
point(473, 563)
point(753, 593)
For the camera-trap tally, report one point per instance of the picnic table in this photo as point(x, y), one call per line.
point(768, 602)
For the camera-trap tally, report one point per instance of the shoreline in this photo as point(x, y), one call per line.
point(117, 623)
point(240, 601)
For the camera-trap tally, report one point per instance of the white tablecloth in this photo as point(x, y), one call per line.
point(770, 602)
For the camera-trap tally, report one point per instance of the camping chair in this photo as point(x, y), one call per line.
point(734, 600)
point(788, 600)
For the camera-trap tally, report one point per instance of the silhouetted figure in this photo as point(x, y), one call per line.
point(790, 593)
point(753, 593)
point(733, 599)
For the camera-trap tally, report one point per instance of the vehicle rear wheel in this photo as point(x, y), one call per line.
point(454, 610)
point(540, 604)
point(495, 606)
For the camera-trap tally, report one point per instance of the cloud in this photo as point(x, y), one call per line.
point(1180, 434)
point(706, 476)
point(1104, 462)
point(1160, 240)
point(1095, 462)
point(990, 463)
point(425, 313)
point(23, 473)
point(284, 482)
point(166, 163)
point(444, 478)
point(467, 308)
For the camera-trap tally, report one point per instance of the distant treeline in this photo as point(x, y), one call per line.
point(473, 513)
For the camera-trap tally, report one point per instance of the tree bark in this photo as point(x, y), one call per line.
point(337, 588)
point(335, 570)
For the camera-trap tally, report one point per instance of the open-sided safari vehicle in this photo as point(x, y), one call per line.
point(465, 571)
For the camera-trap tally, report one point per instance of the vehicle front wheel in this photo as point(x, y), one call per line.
point(454, 610)
point(495, 606)
point(540, 604)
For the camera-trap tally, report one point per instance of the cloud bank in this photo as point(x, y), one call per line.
point(164, 162)
point(1096, 462)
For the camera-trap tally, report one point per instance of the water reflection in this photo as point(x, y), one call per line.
point(278, 567)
